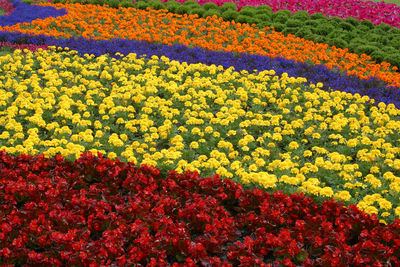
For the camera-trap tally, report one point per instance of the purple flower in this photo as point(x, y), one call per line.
point(27, 13)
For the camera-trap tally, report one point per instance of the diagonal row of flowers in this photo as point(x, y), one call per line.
point(26, 13)
point(95, 210)
point(332, 80)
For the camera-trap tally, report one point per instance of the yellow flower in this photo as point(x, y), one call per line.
point(194, 145)
point(371, 210)
point(307, 153)
point(326, 191)
point(342, 195)
point(316, 136)
point(293, 145)
point(208, 129)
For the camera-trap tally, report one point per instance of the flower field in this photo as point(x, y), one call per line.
point(153, 133)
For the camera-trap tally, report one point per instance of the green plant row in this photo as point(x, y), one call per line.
point(381, 42)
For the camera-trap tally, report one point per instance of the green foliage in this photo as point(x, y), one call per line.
point(282, 12)
point(301, 15)
point(361, 29)
point(198, 10)
point(228, 6)
point(230, 15)
point(289, 30)
point(246, 13)
point(113, 3)
point(140, 5)
point(368, 23)
point(352, 21)
point(323, 29)
point(278, 26)
point(251, 9)
point(355, 42)
point(263, 17)
point(126, 4)
point(182, 9)
point(365, 49)
point(334, 34)
point(347, 36)
point(335, 20)
point(379, 56)
point(384, 27)
point(346, 26)
point(393, 59)
point(172, 5)
point(261, 9)
point(390, 50)
point(394, 30)
point(209, 5)
point(294, 23)
point(339, 43)
point(280, 18)
point(302, 32)
point(372, 37)
point(156, 4)
point(311, 23)
point(395, 42)
point(243, 19)
point(319, 39)
point(317, 15)
point(191, 3)
point(263, 24)
point(211, 12)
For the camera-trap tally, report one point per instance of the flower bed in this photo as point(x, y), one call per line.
point(256, 159)
point(210, 119)
point(96, 212)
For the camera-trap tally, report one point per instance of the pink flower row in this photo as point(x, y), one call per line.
point(30, 47)
point(378, 13)
point(7, 6)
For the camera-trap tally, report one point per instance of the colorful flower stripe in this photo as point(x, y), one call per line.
point(27, 13)
point(377, 12)
point(7, 7)
point(30, 47)
point(101, 22)
point(99, 212)
point(253, 128)
point(373, 88)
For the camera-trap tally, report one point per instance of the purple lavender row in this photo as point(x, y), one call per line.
point(378, 13)
point(7, 7)
point(27, 13)
point(332, 80)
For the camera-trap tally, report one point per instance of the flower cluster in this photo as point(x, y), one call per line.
point(256, 128)
point(29, 47)
point(7, 7)
point(211, 33)
point(96, 212)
